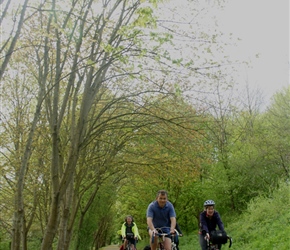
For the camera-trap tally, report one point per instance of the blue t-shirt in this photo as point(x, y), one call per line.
point(161, 216)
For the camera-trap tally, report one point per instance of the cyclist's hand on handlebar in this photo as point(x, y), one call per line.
point(207, 237)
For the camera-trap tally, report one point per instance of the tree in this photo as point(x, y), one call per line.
point(278, 123)
point(76, 58)
point(9, 46)
point(20, 148)
point(95, 77)
point(167, 154)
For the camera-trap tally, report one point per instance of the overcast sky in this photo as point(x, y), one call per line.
point(263, 26)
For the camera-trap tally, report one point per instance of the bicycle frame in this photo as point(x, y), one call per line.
point(161, 239)
point(129, 245)
point(211, 246)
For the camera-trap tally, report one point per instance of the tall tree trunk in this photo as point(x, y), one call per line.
point(64, 232)
point(52, 224)
point(19, 215)
point(24, 235)
point(101, 235)
point(59, 188)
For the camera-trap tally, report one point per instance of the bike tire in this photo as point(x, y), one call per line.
point(160, 246)
point(131, 247)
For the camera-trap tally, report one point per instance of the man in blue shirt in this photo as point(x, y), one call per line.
point(161, 214)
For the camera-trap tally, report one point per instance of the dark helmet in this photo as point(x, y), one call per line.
point(208, 203)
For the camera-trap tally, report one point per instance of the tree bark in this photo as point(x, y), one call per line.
point(19, 215)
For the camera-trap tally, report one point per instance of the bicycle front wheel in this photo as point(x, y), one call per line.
point(131, 247)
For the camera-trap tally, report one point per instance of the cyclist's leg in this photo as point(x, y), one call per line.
point(124, 243)
point(176, 246)
point(154, 244)
point(202, 242)
point(176, 241)
point(133, 244)
point(167, 243)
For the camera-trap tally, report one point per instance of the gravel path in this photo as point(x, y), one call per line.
point(111, 247)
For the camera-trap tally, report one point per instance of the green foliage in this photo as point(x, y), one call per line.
point(144, 141)
point(5, 244)
point(265, 223)
point(98, 220)
point(145, 18)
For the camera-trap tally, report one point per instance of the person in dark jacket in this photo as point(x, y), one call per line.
point(209, 219)
point(176, 238)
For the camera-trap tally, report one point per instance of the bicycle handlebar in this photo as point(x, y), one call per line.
point(163, 235)
point(231, 241)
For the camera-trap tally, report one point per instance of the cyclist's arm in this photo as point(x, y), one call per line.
point(203, 226)
point(177, 227)
point(172, 216)
point(123, 230)
point(172, 224)
point(136, 232)
point(219, 222)
point(150, 223)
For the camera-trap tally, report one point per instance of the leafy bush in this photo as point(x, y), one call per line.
point(265, 224)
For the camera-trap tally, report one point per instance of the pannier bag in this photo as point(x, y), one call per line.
point(218, 237)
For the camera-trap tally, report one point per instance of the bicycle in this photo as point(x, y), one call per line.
point(161, 238)
point(130, 245)
point(212, 246)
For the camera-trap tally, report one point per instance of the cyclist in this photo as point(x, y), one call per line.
point(209, 219)
point(161, 214)
point(176, 239)
point(129, 227)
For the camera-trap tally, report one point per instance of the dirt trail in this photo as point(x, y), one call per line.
point(111, 247)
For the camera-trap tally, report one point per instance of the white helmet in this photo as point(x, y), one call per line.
point(208, 203)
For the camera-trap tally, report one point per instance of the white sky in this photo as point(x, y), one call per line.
point(263, 26)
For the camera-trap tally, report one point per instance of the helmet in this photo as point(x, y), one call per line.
point(208, 203)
